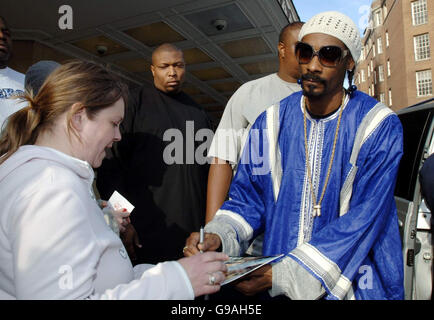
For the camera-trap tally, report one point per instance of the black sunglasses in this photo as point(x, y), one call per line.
point(329, 56)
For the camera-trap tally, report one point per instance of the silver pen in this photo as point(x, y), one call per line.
point(201, 238)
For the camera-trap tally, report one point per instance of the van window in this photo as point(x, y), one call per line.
point(415, 126)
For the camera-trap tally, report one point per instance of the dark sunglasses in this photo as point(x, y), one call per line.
point(329, 56)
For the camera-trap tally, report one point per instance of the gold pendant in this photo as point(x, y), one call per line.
point(317, 210)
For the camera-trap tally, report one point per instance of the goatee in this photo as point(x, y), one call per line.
point(309, 90)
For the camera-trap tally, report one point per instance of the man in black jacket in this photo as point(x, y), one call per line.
point(159, 164)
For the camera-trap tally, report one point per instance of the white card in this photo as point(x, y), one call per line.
point(118, 202)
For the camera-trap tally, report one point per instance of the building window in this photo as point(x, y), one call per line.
point(390, 97)
point(377, 18)
point(372, 66)
point(381, 73)
point(363, 75)
point(369, 72)
point(373, 51)
point(379, 46)
point(387, 39)
point(373, 90)
point(385, 12)
point(388, 68)
point(422, 47)
point(382, 97)
point(424, 83)
point(419, 12)
point(375, 77)
point(369, 91)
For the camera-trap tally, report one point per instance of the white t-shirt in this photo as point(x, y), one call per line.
point(245, 105)
point(11, 84)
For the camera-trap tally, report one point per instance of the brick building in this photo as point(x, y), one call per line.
point(396, 65)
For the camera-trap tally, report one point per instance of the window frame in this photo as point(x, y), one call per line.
point(381, 73)
point(422, 53)
point(419, 12)
point(379, 45)
point(420, 81)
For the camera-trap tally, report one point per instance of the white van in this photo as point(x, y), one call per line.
point(414, 217)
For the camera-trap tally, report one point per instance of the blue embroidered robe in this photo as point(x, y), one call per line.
point(354, 247)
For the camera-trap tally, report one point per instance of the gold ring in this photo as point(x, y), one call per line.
point(185, 248)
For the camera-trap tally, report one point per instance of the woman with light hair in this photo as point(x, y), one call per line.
point(54, 242)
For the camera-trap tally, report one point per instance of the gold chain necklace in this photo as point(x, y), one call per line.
point(317, 205)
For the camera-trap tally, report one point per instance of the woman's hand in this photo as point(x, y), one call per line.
point(205, 271)
point(121, 216)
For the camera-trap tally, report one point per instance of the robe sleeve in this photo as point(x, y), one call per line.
point(336, 252)
point(241, 217)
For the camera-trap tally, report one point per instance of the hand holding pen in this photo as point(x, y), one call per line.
point(199, 242)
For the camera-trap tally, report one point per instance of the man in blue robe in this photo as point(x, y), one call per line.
point(317, 176)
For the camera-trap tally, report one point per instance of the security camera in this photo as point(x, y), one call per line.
point(101, 49)
point(219, 24)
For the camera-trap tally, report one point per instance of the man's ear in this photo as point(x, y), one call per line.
point(351, 64)
point(281, 49)
point(78, 117)
point(153, 70)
